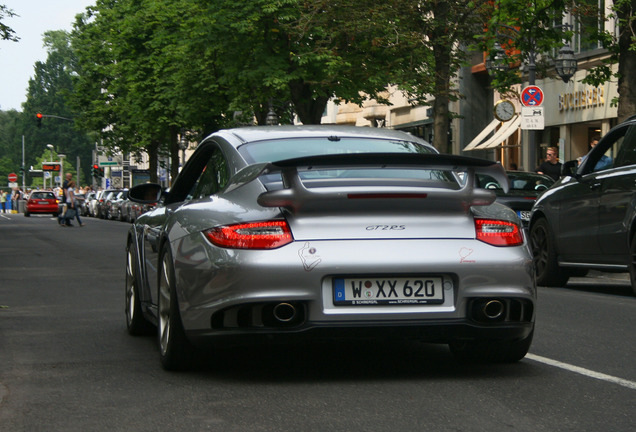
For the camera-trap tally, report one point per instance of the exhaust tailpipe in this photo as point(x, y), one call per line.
point(493, 309)
point(284, 312)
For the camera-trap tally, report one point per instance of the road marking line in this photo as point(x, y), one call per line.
point(589, 373)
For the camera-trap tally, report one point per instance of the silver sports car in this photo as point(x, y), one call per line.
point(329, 231)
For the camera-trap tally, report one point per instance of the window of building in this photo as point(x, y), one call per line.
point(588, 19)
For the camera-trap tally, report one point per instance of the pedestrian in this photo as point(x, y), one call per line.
point(551, 166)
point(15, 199)
point(61, 217)
point(3, 201)
point(72, 210)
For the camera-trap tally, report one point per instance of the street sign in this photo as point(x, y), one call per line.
point(532, 118)
point(13, 177)
point(531, 96)
point(103, 161)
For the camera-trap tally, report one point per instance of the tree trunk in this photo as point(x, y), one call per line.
point(442, 49)
point(626, 65)
point(309, 107)
point(153, 152)
point(174, 153)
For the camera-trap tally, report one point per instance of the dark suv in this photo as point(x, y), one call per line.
point(587, 220)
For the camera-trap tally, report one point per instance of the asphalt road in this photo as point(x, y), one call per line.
point(67, 363)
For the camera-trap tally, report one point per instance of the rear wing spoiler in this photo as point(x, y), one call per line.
point(294, 193)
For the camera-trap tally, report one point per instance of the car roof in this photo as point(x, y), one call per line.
point(261, 133)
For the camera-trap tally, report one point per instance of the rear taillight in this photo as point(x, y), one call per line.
point(498, 233)
point(253, 235)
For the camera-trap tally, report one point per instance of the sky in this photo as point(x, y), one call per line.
point(17, 59)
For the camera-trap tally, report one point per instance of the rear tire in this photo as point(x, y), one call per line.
point(544, 256)
point(175, 350)
point(487, 351)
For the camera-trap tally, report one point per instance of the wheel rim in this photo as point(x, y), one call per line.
point(540, 248)
point(130, 287)
point(164, 306)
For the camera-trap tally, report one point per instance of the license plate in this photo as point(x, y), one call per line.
point(388, 291)
point(43, 202)
point(524, 215)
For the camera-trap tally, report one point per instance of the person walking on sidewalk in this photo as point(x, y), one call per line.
point(3, 201)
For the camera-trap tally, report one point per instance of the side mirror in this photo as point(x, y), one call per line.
point(569, 168)
point(147, 193)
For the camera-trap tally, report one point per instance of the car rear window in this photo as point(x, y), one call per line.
point(277, 150)
point(42, 195)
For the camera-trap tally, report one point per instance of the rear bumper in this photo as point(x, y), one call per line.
point(42, 209)
point(445, 331)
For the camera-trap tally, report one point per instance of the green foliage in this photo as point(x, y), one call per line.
point(137, 74)
point(6, 32)
point(48, 93)
point(529, 34)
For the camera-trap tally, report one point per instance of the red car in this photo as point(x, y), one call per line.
point(41, 202)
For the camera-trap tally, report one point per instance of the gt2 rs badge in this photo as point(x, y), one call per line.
point(309, 257)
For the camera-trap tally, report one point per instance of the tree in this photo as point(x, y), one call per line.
point(431, 33)
point(10, 140)
point(48, 94)
point(6, 32)
point(295, 51)
point(138, 85)
point(534, 30)
point(149, 70)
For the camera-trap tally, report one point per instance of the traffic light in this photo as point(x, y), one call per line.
point(38, 119)
point(95, 170)
point(101, 172)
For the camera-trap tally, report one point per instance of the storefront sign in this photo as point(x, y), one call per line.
point(581, 99)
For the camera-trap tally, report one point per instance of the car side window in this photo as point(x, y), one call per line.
point(626, 153)
point(614, 150)
point(213, 178)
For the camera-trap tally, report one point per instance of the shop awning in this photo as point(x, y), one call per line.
point(501, 135)
point(482, 135)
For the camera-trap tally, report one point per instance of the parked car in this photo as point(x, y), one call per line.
point(132, 210)
point(41, 202)
point(114, 204)
point(587, 220)
point(102, 202)
point(525, 187)
point(330, 231)
point(87, 205)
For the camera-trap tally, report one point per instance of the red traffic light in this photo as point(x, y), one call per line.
point(39, 116)
point(96, 167)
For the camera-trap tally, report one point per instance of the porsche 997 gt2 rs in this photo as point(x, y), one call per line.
point(329, 231)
